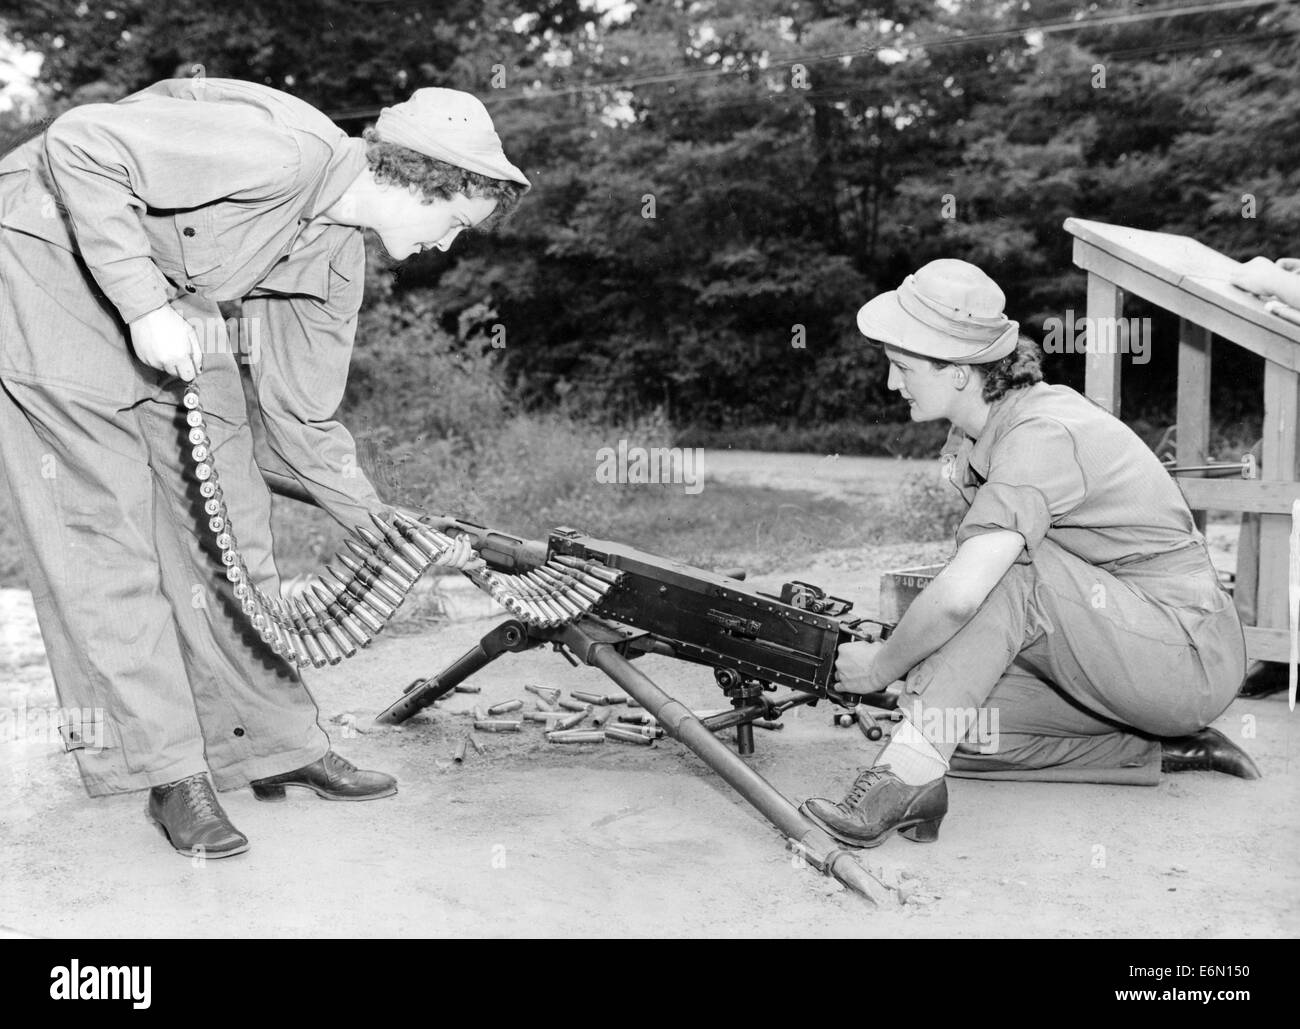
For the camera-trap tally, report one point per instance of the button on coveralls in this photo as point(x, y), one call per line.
point(193, 192)
point(1112, 627)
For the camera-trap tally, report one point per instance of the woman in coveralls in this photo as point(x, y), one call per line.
point(1080, 633)
point(124, 226)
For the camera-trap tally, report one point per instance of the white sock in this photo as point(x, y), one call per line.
point(912, 757)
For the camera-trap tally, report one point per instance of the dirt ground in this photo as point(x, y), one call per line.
point(535, 839)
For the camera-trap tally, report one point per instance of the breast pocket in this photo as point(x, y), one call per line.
point(200, 249)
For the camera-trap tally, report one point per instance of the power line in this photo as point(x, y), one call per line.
point(791, 59)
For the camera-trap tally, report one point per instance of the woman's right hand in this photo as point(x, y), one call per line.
point(164, 340)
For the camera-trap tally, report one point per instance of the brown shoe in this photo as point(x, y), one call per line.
point(878, 804)
point(332, 777)
point(189, 813)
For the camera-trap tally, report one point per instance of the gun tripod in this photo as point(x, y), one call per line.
point(610, 647)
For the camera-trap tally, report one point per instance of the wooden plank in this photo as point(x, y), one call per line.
point(1269, 341)
point(1267, 644)
point(1102, 365)
point(1239, 495)
point(1193, 417)
point(1184, 262)
point(1281, 416)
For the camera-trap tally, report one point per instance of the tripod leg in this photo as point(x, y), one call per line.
point(507, 636)
point(821, 851)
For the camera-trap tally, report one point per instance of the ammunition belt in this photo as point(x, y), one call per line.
point(342, 611)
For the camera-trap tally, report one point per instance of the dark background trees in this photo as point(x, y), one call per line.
point(720, 184)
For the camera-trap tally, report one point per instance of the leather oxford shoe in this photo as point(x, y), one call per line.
point(879, 804)
point(331, 777)
point(1206, 751)
point(189, 813)
point(1264, 679)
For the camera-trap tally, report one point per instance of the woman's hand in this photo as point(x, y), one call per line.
point(853, 663)
point(461, 554)
point(164, 340)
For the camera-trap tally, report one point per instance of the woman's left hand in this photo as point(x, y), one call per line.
point(853, 664)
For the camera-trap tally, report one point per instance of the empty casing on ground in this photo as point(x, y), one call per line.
point(576, 737)
point(627, 736)
point(573, 705)
point(763, 723)
point(570, 721)
point(544, 717)
point(586, 698)
point(473, 742)
point(547, 693)
point(599, 718)
point(461, 687)
point(458, 755)
point(497, 726)
point(640, 718)
point(505, 707)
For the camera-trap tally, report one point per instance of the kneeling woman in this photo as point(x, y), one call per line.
point(1080, 633)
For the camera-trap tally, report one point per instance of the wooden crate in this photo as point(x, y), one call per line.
point(899, 587)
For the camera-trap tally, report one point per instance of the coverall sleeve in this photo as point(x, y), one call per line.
point(299, 377)
point(1034, 480)
point(111, 162)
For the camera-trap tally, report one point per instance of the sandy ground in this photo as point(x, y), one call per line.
point(533, 839)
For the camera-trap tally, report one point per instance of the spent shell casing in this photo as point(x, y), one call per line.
point(479, 714)
point(587, 698)
point(640, 718)
point(498, 726)
point(614, 698)
point(602, 716)
point(568, 722)
point(544, 717)
point(194, 419)
point(458, 755)
point(573, 705)
point(461, 687)
point(387, 554)
point(770, 726)
point(650, 732)
point(336, 635)
point(548, 693)
point(589, 736)
point(627, 736)
point(505, 708)
point(477, 745)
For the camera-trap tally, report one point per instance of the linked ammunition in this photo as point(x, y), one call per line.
point(479, 714)
point(458, 755)
point(367, 577)
point(356, 607)
point(627, 736)
point(369, 601)
point(576, 737)
point(387, 554)
point(392, 578)
point(505, 708)
point(317, 632)
point(589, 568)
point(342, 619)
point(336, 635)
point(413, 556)
point(198, 437)
point(314, 652)
point(199, 453)
point(495, 726)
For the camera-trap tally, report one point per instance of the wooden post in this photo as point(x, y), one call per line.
point(1281, 411)
point(1102, 368)
point(1193, 417)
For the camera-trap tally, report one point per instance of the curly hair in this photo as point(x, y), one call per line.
point(435, 179)
point(1020, 368)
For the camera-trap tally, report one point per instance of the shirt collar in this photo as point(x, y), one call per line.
point(1000, 414)
point(348, 162)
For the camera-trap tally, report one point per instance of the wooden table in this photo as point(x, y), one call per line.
point(1191, 280)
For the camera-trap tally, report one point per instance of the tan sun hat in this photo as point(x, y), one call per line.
point(948, 311)
point(452, 126)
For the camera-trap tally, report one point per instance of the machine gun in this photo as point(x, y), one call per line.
point(609, 603)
